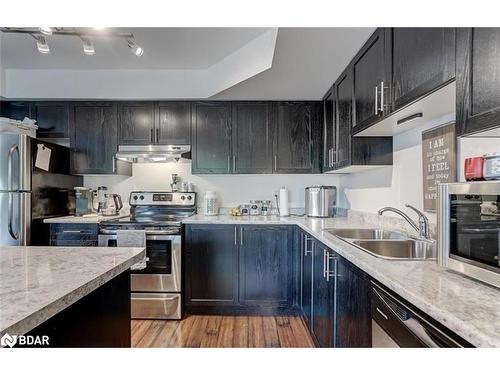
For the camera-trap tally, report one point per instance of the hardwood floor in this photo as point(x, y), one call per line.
point(216, 331)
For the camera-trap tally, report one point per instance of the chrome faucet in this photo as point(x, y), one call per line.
point(423, 222)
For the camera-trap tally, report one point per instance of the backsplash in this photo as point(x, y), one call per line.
point(231, 190)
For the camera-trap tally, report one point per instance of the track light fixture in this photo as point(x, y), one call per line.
point(88, 46)
point(41, 44)
point(40, 34)
point(45, 30)
point(136, 49)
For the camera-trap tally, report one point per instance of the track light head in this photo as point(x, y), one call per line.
point(88, 46)
point(45, 30)
point(41, 44)
point(136, 49)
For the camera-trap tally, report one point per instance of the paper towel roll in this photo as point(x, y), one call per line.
point(284, 202)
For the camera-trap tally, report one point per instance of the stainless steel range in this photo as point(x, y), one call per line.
point(156, 289)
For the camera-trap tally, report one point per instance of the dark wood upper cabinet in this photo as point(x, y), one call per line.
point(173, 123)
point(15, 110)
point(329, 130)
point(136, 123)
point(211, 270)
point(370, 67)
point(266, 265)
point(93, 137)
point(211, 138)
point(478, 79)
point(297, 147)
point(52, 119)
point(343, 93)
point(423, 59)
point(252, 137)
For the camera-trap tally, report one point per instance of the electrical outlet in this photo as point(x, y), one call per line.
point(275, 193)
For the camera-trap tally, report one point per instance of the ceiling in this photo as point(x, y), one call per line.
point(299, 63)
point(306, 63)
point(164, 48)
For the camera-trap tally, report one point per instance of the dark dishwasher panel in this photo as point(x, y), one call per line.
point(407, 327)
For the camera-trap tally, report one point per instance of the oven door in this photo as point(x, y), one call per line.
point(469, 229)
point(163, 268)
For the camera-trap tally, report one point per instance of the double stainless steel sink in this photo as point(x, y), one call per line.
point(387, 244)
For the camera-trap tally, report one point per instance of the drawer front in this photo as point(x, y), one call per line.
point(73, 232)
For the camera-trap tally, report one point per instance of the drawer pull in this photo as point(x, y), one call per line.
point(382, 313)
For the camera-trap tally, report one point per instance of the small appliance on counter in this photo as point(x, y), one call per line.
point(282, 202)
point(113, 205)
point(255, 207)
point(84, 201)
point(473, 168)
point(491, 167)
point(210, 207)
point(320, 201)
point(468, 228)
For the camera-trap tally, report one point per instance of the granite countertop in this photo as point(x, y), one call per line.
point(467, 307)
point(38, 282)
point(90, 219)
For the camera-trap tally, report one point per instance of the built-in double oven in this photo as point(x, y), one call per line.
point(155, 289)
point(469, 229)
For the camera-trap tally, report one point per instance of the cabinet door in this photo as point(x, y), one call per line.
point(298, 137)
point(323, 311)
point(478, 79)
point(136, 123)
point(174, 123)
point(266, 265)
point(211, 269)
point(211, 138)
point(343, 96)
point(307, 245)
point(370, 67)
point(353, 313)
point(15, 110)
point(52, 119)
point(252, 137)
point(423, 59)
point(93, 135)
point(329, 130)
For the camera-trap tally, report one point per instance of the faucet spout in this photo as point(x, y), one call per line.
point(423, 222)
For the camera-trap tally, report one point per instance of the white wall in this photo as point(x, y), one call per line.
point(231, 189)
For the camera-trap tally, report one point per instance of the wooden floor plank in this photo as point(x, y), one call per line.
point(212, 332)
point(240, 332)
point(271, 339)
point(216, 331)
point(256, 332)
point(226, 332)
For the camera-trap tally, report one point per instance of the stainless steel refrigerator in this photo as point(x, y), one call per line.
point(29, 194)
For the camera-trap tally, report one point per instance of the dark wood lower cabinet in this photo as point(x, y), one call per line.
point(100, 319)
point(240, 269)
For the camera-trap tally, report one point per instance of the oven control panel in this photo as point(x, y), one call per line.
point(157, 198)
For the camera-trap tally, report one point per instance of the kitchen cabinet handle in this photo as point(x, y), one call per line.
point(229, 163)
point(330, 157)
point(376, 100)
point(234, 163)
point(151, 136)
point(382, 96)
point(241, 235)
point(114, 164)
point(235, 236)
point(275, 163)
point(328, 272)
point(325, 266)
point(306, 247)
point(382, 313)
point(157, 135)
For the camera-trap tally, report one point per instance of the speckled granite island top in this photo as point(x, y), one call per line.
point(38, 282)
point(467, 307)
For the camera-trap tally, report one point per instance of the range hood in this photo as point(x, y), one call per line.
point(153, 153)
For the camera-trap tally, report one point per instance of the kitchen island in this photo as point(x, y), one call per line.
point(77, 296)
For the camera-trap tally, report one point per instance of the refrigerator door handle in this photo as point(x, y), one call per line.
point(13, 148)
point(11, 214)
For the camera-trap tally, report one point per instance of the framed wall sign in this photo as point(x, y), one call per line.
point(439, 161)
